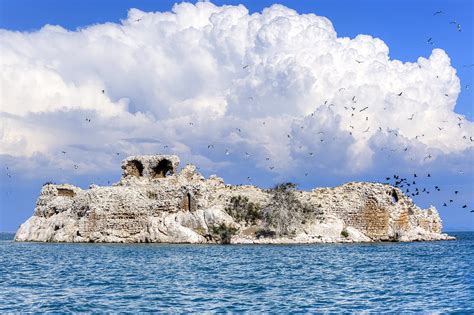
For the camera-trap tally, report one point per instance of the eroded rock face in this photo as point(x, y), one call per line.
point(154, 203)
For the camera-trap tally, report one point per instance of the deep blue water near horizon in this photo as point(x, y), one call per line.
point(424, 277)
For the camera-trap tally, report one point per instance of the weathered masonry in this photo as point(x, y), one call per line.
point(150, 166)
point(156, 202)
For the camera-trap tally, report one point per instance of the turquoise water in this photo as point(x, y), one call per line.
point(422, 277)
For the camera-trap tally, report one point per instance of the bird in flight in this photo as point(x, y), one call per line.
point(63, 152)
point(245, 67)
point(400, 94)
point(458, 26)
point(437, 12)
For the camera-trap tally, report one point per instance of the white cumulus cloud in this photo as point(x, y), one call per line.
point(276, 90)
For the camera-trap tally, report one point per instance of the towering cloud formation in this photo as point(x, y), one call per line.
point(219, 86)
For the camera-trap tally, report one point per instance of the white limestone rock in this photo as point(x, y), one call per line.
point(152, 202)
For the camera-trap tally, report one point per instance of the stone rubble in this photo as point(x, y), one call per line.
point(152, 202)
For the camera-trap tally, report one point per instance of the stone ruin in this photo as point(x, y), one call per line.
point(153, 202)
point(150, 166)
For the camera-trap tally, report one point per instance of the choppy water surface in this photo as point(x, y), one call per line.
point(419, 277)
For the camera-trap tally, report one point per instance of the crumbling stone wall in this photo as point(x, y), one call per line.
point(150, 166)
point(66, 192)
point(152, 202)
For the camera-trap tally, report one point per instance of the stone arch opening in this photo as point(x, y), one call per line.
point(134, 168)
point(394, 196)
point(163, 169)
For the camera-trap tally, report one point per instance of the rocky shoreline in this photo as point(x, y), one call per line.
point(153, 203)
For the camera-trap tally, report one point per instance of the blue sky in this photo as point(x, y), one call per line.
point(404, 26)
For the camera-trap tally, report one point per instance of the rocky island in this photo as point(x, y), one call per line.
point(152, 202)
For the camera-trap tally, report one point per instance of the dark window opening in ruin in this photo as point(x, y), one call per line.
point(134, 168)
point(394, 196)
point(188, 197)
point(187, 202)
point(66, 192)
point(163, 169)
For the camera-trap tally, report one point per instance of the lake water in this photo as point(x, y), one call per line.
point(390, 277)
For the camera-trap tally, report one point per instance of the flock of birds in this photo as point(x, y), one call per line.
point(455, 23)
point(408, 186)
point(412, 187)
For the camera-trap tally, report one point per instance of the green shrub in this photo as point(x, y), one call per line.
point(285, 212)
point(223, 233)
point(344, 233)
point(152, 194)
point(283, 187)
point(242, 210)
point(265, 233)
